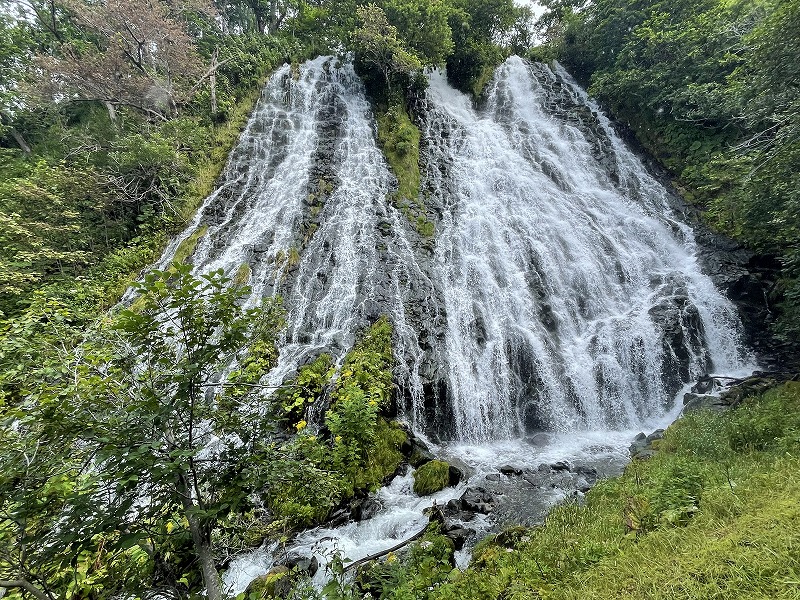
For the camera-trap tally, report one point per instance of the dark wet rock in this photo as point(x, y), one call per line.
point(696, 402)
point(586, 477)
point(364, 508)
point(339, 517)
point(561, 465)
point(540, 439)
point(704, 385)
point(418, 454)
point(455, 475)
point(302, 564)
point(510, 470)
point(682, 334)
point(493, 477)
point(477, 500)
point(458, 535)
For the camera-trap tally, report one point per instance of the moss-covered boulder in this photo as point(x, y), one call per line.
point(277, 583)
point(431, 477)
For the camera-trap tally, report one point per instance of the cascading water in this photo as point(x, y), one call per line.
point(559, 293)
point(573, 299)
point(302, 211)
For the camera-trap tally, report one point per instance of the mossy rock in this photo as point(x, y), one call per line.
point(277, 583)
point(431, 477)
point(242, 275)
point(383, 456)
point(187, 247)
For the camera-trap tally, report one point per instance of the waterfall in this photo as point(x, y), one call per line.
point(572, 295)
point(303, 205)
point(561, 292)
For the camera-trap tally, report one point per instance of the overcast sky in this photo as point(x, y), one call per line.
point(538, 10)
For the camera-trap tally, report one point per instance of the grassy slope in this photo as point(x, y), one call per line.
point(715, 514)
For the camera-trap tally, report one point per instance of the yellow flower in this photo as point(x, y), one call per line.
point(338, 439)
point(373, 402)
point(391, 557)
point(300, 426)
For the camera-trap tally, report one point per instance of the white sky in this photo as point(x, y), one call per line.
point(537, 10)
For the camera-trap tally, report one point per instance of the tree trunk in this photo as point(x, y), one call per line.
point(273, 17)
point(212, 79)
point(20, 141)
point(202, 542)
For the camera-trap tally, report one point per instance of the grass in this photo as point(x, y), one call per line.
point(714, 514)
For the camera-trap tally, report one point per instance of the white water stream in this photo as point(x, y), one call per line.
point(561, 293)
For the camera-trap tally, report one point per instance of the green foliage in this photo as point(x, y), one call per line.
point(362, 449)
point(426, 563)
point(380, 50)
point(363, 389)
point(306, 388)
point(431, 477)
point(424, 27)
point(476, 26)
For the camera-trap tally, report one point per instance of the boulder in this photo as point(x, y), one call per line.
point(695, 402)
point(455, 475)
point(278, 583)
point(642, 446)
point(477, 500)
point(458, 535)
point(432, 477)
point(418, 453)
point(301, 563)
point(510, 470)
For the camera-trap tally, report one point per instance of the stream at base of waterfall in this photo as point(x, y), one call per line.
point(558, 310)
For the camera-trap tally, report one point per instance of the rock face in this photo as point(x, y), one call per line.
point(748, 280)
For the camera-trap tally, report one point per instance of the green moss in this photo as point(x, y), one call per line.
point(399, 139)
point(480, 82)
point(383, 455)
point(714, 514)
point(270, 585)
point(242, 275)
point(431, 477)
point(187, 247)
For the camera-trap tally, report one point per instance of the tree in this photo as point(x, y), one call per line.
point(424, 27)
point(379, 47)
point(135, 55)
point(160, 429)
